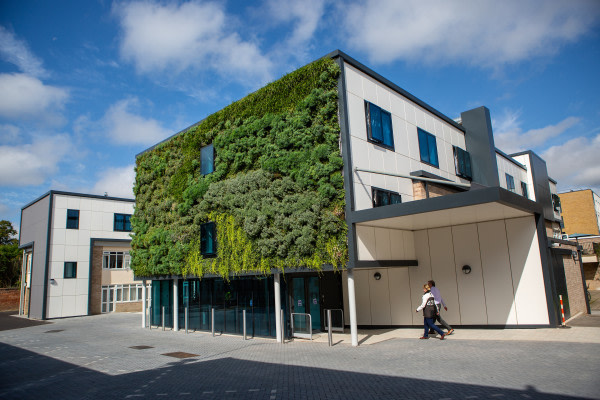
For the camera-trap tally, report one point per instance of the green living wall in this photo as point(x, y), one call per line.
point(276, 194)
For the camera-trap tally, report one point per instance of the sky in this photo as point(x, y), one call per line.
point(87, 85)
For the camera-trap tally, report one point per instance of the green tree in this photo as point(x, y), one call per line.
point(10, 255)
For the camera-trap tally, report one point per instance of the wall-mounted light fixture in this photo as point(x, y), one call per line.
point(466, 269)
point(574, 255)
point(377, 276)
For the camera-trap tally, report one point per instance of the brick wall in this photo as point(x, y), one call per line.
point(579, 213)
point(421, 190)
point(96, 295)
point(9, 299)
point(134, 306)
point(574, 285)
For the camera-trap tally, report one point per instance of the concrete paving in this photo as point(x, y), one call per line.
point(112, 357)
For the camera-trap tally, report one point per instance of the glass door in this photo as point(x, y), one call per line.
point(313, 302)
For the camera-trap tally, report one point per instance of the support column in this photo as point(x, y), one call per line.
point(352, 306)
point(144, 301)
point(23, 284)
point(278, 321)
point(175, 304)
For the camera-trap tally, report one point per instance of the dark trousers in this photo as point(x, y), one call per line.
point(428, 323)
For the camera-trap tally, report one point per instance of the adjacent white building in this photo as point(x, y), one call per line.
point(76, 256)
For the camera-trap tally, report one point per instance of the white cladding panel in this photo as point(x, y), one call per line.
point(380, 297)
point(505, 286)
point(419, 275)
point(443, 271)
point(519, 174)
point(400, 296)
point(497, 277)
point(526, 267)
point(384, 244)
point(405, 158)
point(471, 295)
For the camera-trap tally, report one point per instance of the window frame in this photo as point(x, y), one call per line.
point(202, 152)
point(388, 193)
point(371, 108)
point(465, 157)
point(126, 222)
point(428, 138)
point(510, 183)
point(73, 265)
point(107, 258)
point(203, 229)
point(524, 190)
point(71, 218)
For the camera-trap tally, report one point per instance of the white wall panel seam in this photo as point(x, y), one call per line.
point(487, 318)
point(512, 281)
point(455, 275)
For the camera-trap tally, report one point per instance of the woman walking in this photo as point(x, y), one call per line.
point(429, 313)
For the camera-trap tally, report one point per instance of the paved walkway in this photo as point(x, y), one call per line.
point(111, 356)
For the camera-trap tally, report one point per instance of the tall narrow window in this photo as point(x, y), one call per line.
point(524, 189)
point(383, 197)
point(428, 148)
point(207, 159)
point(208, 239)
point(70, 270)
point(462, 162)
point(510, 183)
point(122, 223)
point(379, 126)
point(72, 219)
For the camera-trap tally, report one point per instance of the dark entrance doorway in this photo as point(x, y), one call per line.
point(313, 294)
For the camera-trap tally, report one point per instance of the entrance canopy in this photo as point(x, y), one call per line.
point(478, 205)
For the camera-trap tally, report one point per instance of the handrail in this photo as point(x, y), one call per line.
point(309, 324)
point(334, 328)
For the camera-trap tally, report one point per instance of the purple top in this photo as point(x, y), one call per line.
point(437, 295)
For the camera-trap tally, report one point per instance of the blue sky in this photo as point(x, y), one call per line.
point(86, 85)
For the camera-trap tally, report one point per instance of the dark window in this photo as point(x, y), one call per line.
point(72, 219)
point(510, 182)
point(383, 197)
point(524, 189)
point(556, 202)
point(207, 159)
point(379, 126)
point(428, 148)
point(208, 239)
point(122, 222)
point(70, 270)
point(462, 162)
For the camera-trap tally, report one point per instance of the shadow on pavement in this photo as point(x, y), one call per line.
point(28, 375)
point(9, 320)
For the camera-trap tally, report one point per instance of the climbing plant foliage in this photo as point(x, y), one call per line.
point(276, 194)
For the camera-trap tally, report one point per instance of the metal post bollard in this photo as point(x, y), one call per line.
point(163, 317)
point(212, 321)
point(244, 321)
point(186, 320)
point(329, 328)
point(150, 319)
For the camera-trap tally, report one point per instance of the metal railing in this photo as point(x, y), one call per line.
point(299, 334)
point(334, 312)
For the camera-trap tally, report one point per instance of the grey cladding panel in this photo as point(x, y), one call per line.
point(479, 140)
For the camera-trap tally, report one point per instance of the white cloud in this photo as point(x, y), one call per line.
point(509, 137)
point(126, 128)
point(196, 35)
point(16, 52)
point(9, 133)
point(24, 97)
point(574, 164)
point(305, 15)
point(486, 33)
point(116, 182)
point(32, 164)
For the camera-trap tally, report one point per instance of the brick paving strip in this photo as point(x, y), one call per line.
point(111, 356)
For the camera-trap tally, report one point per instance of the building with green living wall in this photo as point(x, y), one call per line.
point(266, 170)
point(334, 190)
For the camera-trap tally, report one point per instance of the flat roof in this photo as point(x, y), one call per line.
point(93, 196)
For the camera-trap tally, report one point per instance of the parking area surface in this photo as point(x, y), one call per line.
point(112, 357)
